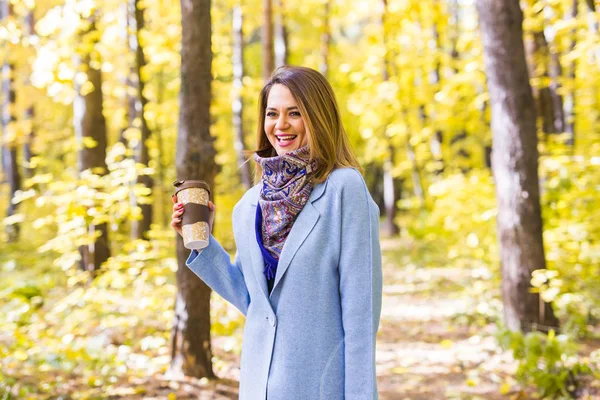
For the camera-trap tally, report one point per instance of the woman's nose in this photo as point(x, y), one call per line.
point(281, 122)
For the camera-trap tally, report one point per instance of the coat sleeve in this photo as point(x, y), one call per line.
point(360, 286)
point(213, 265)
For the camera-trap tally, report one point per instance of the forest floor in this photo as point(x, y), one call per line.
point(422, 352)
point(425, 350)
point(435, 341)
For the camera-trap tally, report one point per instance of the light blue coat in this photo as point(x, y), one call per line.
point(314, 336)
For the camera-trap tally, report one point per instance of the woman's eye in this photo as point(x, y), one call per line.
point(271, 114)
point(295, 113)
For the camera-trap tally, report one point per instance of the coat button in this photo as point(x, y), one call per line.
point(273, 321)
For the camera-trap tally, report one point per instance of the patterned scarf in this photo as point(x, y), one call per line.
point(287, 184)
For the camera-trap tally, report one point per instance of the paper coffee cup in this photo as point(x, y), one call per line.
point(194, 195)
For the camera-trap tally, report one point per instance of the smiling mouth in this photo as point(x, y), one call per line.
point(286, 138)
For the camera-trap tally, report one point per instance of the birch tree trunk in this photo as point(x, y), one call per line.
point(437, 138)
point(557, 98)
point(160, 174)
point(325, 40)
point(9, 137)
point(281, 36)
point(389, 191)
point(137, 117)
point(570, 97)
point(238, 102)
point(30, 111)
point(514, 164)
point(458, 139)
point(195, 159)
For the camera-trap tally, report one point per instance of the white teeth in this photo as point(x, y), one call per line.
point(286, 137)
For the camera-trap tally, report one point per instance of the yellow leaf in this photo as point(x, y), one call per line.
point(89, 142)
point(21, 355)
point(14, 219)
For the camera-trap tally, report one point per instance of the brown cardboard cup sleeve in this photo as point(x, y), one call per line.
point(195, 229)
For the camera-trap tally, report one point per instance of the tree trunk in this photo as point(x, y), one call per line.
point(325, 40)
point(267, 40)
point(593, 25)
point(29, 139)
point(390, 227)
point(9, 148)
point(160, 187)
point(515, 164)
point(437, 138)
point(435, 146)
point(30, 111)
point(570, 97)
point(458, 142)
point(415, 172)
point(8, 120)
point(592, 20)
point(125, 79)
point(389, 192)
point(374, 181)
point(538, 59)
point(137, 104)
point(557, 98)
point(238, 102)
point(281, 36)
point(89, 122)
point(195, 159)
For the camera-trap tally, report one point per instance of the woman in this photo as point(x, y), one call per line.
point(307, 273)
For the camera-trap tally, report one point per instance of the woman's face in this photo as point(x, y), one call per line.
point(284, 125)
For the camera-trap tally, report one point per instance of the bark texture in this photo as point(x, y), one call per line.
point(389, 192)
point(195, 159)
point(539, 58)
point(89, 122)
point(28, 153)
point(325, 40)
point(281, 36)
point(437, 138)
point(555, 87)
point(514, 164)
point(267, 40)
point(137, 118)
point(238, 101)
point(572, 68)
point(9, 142)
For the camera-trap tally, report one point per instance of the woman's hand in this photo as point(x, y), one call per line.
point(176, 218)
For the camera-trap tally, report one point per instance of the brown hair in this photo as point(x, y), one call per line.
point(327, 139)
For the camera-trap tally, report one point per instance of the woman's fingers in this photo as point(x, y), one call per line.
point(177, 207)
point(177, 226)
point(178, 212)
point(176, 216)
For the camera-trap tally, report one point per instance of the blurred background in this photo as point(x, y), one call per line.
point(106, 103)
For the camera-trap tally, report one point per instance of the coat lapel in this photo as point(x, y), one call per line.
point(303, 225)
point(305, 222)
point(255, 254)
